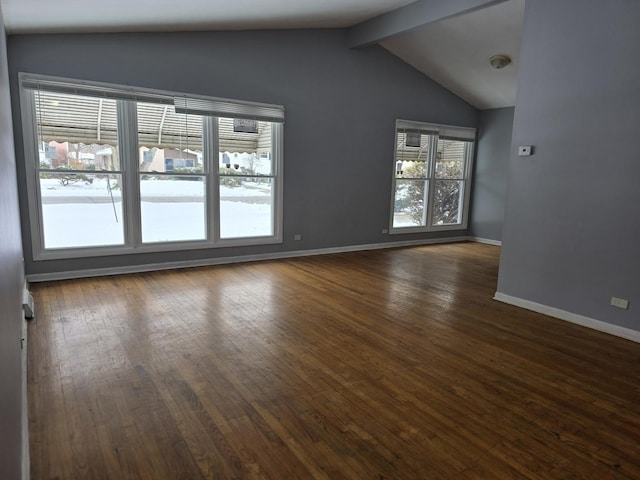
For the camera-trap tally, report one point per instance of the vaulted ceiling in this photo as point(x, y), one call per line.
point(448, 40)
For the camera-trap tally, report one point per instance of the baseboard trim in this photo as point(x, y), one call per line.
point(26, 459)
point(27, 303)
point(151, 267)
point(488, 241)
point(588, 322)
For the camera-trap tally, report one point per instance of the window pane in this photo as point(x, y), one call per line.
point(81, 210)
point(169, 141)
point(412, 150)
point(447, 202)
point(409, 203)
point(246, 207)
point(172, 208)
point(245, 147)
point(450, 159)
point(76, 132)
point(78, 156)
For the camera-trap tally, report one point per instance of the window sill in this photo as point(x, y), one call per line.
point(66, 253)
point(442, 228)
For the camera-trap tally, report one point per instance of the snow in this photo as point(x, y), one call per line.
point(51, 187)
point(82, 225)
point(172, 222)
point(403, 220)
point(82, 214)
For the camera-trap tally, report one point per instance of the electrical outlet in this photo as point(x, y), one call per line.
point(620, 303)
point(384, 230)
point(297, 236)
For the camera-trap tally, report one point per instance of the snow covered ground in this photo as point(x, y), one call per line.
point(88, 214)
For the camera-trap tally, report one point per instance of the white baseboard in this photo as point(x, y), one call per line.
point(26, 461)
point(592, 323)
point(488, 241)
point(151, 267)
point(27, 303)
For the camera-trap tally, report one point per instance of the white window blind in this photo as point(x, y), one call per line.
point(92, 89)
point(219, 107)
point(77, 119)
point(446, 132)
point(85, 112)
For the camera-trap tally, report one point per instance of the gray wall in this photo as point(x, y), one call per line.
point(341, 105)
point(491, 173)
point(572, 223)
point(11, 283)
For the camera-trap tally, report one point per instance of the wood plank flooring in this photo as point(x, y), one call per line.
point(389, 364)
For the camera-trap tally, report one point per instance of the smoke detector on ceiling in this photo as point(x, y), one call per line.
point(499, 61)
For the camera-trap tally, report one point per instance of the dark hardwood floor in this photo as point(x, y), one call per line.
point(389, 364)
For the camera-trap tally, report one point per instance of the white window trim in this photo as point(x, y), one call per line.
point(462, 133)
point(127, 143)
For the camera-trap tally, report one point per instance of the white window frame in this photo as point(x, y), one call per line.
point(209, 107)
point(447, 132)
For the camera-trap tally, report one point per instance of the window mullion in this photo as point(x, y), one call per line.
point(431, 162)
point(277, 177)
point(394, 181)
point(213, 199)
point(128, 143)
point(468, 163)
point(31, 142)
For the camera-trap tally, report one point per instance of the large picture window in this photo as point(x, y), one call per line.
point(115, 169)
point(431, 169)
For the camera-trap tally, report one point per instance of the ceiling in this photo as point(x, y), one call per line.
point(37, 16)
point(454, 52)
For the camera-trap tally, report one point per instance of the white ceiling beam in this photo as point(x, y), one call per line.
point(414, 15)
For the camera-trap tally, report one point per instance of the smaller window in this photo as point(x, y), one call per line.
point(431, 168)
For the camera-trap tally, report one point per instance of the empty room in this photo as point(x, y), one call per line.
point(323, 239)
